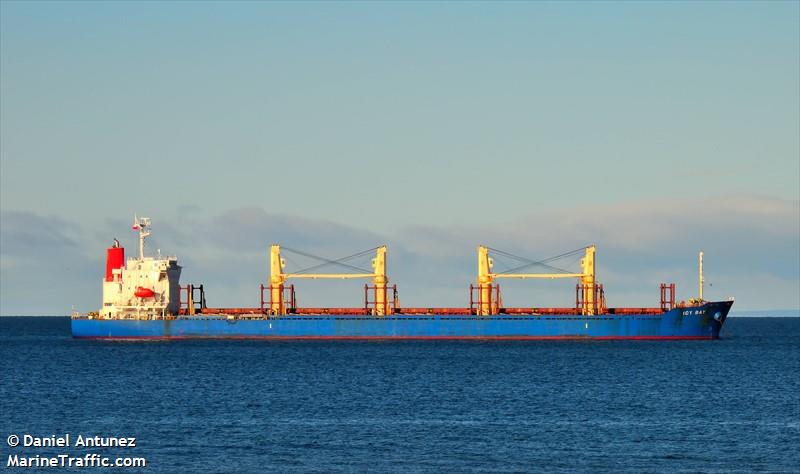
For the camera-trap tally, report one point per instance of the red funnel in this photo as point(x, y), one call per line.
point(115, 258)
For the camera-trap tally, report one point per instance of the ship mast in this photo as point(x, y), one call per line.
point(701, 280)
point(142, 224)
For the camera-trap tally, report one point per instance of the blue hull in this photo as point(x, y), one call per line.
point(700, 322)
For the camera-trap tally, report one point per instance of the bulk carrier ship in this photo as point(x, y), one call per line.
point(143, 298)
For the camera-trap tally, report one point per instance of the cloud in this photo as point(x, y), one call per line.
point(44, 268)
point(752, 247)
point(25, 234)
point(751, 243)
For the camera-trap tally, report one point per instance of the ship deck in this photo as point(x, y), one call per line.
point(361, 312)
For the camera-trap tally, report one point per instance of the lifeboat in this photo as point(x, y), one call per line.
point(142, 292)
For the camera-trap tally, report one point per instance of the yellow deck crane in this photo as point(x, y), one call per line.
point(277, 279)
point(487, 306)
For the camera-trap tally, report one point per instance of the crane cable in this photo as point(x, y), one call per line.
point(530, 263)
point(339, 261)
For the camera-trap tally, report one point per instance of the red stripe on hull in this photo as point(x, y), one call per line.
point(414, 338)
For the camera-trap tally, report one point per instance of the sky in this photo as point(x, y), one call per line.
point(651, 129)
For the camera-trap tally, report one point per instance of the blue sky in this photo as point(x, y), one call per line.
point(651, 129)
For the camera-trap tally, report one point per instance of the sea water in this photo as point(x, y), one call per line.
point(729, 405)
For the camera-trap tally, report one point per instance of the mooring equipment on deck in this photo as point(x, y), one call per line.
point(277, 279)
point(590, 294)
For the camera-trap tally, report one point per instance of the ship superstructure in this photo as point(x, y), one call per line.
point(143, 298)
point(143, 287)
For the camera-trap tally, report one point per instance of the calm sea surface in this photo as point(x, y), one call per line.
point(249, 406)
